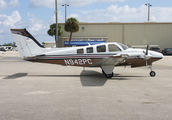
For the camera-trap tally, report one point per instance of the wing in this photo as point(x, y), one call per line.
point(108, 64)
point(111, 60)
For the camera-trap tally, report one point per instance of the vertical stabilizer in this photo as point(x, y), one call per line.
point(27, 45)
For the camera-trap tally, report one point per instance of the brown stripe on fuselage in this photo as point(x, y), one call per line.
point(70, 62)
point(91, 60)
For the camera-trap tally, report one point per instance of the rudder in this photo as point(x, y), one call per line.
point(27, 45)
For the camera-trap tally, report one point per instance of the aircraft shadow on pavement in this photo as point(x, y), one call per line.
point(92, 78)
point(87, 77)
point(15, 76)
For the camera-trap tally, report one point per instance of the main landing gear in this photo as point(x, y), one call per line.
point(107, 70)
point(152, 73)
point(108, 75)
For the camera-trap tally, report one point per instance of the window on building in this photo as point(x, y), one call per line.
point(101, 48)
point(80, 51)
point(113, 48)
point(90, 50)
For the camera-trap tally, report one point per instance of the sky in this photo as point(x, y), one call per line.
point(37, 15)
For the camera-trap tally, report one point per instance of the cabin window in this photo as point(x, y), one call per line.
point(113, 48)
point(80, 51)
point(90, 50)
point(101, 48)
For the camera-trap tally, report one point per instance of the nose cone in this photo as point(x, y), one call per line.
point(156, 54)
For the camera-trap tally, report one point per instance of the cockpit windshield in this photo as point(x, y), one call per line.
point(123, 46)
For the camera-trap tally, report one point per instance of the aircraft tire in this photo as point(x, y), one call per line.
point(109, 75)
point(152, 74)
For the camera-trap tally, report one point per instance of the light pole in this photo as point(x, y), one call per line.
point(56, 23)
point(148, 9)
point(65, 10)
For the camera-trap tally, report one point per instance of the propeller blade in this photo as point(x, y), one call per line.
point(147, 50)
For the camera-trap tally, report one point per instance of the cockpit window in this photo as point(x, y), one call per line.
point(113, 48)
point(123, 46)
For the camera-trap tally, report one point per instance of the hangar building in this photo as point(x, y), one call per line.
point(152, 33)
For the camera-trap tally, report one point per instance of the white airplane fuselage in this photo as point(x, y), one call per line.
point(70, 57)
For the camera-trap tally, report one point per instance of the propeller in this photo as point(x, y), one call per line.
point(146, 54)
point(147, 50)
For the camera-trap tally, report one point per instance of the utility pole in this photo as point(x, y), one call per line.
point(56, 23)
point(65, 10)
point(148, 9)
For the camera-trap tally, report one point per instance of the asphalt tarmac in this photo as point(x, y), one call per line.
point(37, 91)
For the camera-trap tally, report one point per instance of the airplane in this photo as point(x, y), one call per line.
point(107, 56)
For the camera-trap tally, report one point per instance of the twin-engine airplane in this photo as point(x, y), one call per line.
point(105, 55)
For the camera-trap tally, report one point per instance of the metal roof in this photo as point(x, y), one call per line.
point(83, 43)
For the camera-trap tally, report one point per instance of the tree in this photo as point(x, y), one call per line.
point(10, 44)
point(43, 43)
point(71, 26)
point(52, 31)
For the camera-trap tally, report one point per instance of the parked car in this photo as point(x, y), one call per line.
point(157, 49)
point(2, 49)
point(167, 51)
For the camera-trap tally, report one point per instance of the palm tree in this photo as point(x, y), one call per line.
point(71, 26)
point(52, 31)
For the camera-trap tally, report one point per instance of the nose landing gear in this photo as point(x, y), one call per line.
point(152, 73)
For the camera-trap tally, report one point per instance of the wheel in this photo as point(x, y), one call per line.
point(109, 75)
point(152, 74)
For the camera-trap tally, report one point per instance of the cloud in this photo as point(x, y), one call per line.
point(5, 5)
point(6, 23)
point(76, 3)
point(161, 14)
point(30, 15)
point(125, 14)
point(10, 21)
point(2, 4)
point(74, 15)
point(113, 13)
point(13, 3)
point(37, 27)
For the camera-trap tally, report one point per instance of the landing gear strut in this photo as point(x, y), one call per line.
point(152, 73)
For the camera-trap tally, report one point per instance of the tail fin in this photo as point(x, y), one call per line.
point(27, 45)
